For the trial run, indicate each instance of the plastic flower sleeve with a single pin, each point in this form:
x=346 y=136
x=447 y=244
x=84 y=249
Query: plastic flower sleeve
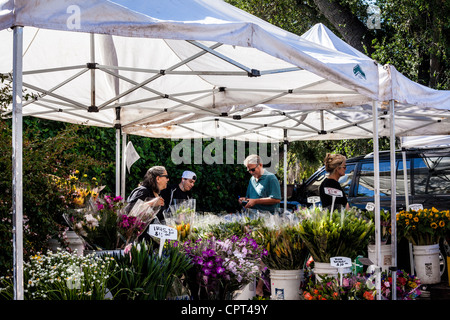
x=133 y=224
x=180 y=216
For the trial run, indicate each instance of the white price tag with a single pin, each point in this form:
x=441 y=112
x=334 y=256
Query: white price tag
x=333 y=192
x=415 y=207
x=340 y=262
x=313 y=199
x=162 y=231
x=370 y=206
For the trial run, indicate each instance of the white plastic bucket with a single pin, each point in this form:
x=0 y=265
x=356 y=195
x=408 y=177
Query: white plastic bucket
x=386 y=255
x=247 y=292
x=75 y=242
x=285 y=284
x=325 y=269
x=427 y=264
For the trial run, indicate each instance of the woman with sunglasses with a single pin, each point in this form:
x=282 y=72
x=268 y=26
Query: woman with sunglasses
x=335 y=165
x=154 y=181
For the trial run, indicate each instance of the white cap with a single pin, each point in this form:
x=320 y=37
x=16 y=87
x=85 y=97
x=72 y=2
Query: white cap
x=189 y=175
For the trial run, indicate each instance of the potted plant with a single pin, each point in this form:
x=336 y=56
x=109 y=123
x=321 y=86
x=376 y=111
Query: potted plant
x=286 y=257
x=424 y=228
x=330 y=234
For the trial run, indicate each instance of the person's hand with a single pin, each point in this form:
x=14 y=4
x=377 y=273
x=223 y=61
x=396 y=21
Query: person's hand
x=250 y=203
x=241 y=199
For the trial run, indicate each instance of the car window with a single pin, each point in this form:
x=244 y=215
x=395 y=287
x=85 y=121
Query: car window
x=346 y=181
x=313 y=188
x=432 y=175
x=366 y=180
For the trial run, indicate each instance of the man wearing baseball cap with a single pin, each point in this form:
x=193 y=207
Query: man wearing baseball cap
x=179 y=191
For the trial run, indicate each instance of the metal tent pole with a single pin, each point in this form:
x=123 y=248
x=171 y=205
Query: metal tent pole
x=393 y=200
x=17 y=164
x=124 y=164
x=118 y=162
x=285 y=143
x=376 y=164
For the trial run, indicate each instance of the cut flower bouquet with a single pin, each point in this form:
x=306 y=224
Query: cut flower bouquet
x=423 y=227
x=222 y=266
x=339 y=233
x=104 y=224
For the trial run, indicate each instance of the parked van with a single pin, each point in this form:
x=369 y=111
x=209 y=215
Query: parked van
x=428 y=174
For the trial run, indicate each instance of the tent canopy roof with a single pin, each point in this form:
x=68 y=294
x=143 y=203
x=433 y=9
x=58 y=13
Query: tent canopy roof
x=159 y=67
x=161 y=60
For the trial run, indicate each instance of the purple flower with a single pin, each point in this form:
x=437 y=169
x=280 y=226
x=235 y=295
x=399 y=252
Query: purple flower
x=220 y=270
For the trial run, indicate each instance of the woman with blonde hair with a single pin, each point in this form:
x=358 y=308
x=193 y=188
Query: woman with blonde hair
x=335 y=165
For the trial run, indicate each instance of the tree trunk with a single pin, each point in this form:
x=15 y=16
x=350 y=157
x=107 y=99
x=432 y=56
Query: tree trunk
x=354 y=32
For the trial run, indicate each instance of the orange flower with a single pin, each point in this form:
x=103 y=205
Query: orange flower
x=307 y=296
x=368 y=295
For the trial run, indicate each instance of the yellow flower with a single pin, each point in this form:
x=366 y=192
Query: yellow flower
x=416 y=219
x=441 y=223
x=434 y=225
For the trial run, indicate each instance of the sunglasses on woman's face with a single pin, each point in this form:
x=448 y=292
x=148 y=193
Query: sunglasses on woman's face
x=252 y=169
x=165 y=176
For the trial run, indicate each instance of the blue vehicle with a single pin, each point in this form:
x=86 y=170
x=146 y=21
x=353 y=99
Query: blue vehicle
x=428 y=174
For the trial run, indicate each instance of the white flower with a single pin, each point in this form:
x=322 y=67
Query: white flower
x=91 y=221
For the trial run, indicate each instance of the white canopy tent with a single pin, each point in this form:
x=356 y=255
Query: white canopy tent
x=141 y=65
x=123 y=63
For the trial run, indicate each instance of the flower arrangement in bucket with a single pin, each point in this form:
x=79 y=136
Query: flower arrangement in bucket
x=105 y=225
x=285 y=248
x=424 y=226
x=96 y=223
x=340 y=233
x=222 y=266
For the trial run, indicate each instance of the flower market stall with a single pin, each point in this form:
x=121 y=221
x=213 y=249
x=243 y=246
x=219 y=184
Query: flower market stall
x=212 y=60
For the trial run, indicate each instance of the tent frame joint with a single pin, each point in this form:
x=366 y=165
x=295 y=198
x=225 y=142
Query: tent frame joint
x=92 y=65
x=93 y=109
x=254 y=73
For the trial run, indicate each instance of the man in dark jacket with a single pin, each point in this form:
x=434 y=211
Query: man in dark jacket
x=180 y=191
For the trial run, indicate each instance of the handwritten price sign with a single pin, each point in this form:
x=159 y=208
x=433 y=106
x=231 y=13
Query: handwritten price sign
x=333 y=192
x=162 y=232
x=340 y=262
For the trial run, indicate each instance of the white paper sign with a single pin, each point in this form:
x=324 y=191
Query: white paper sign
x=131 y=155
x=415 y=207
x=333 y=192
x=162 y=231
x=370 y=206
x=313 y=199
x=340 y=262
